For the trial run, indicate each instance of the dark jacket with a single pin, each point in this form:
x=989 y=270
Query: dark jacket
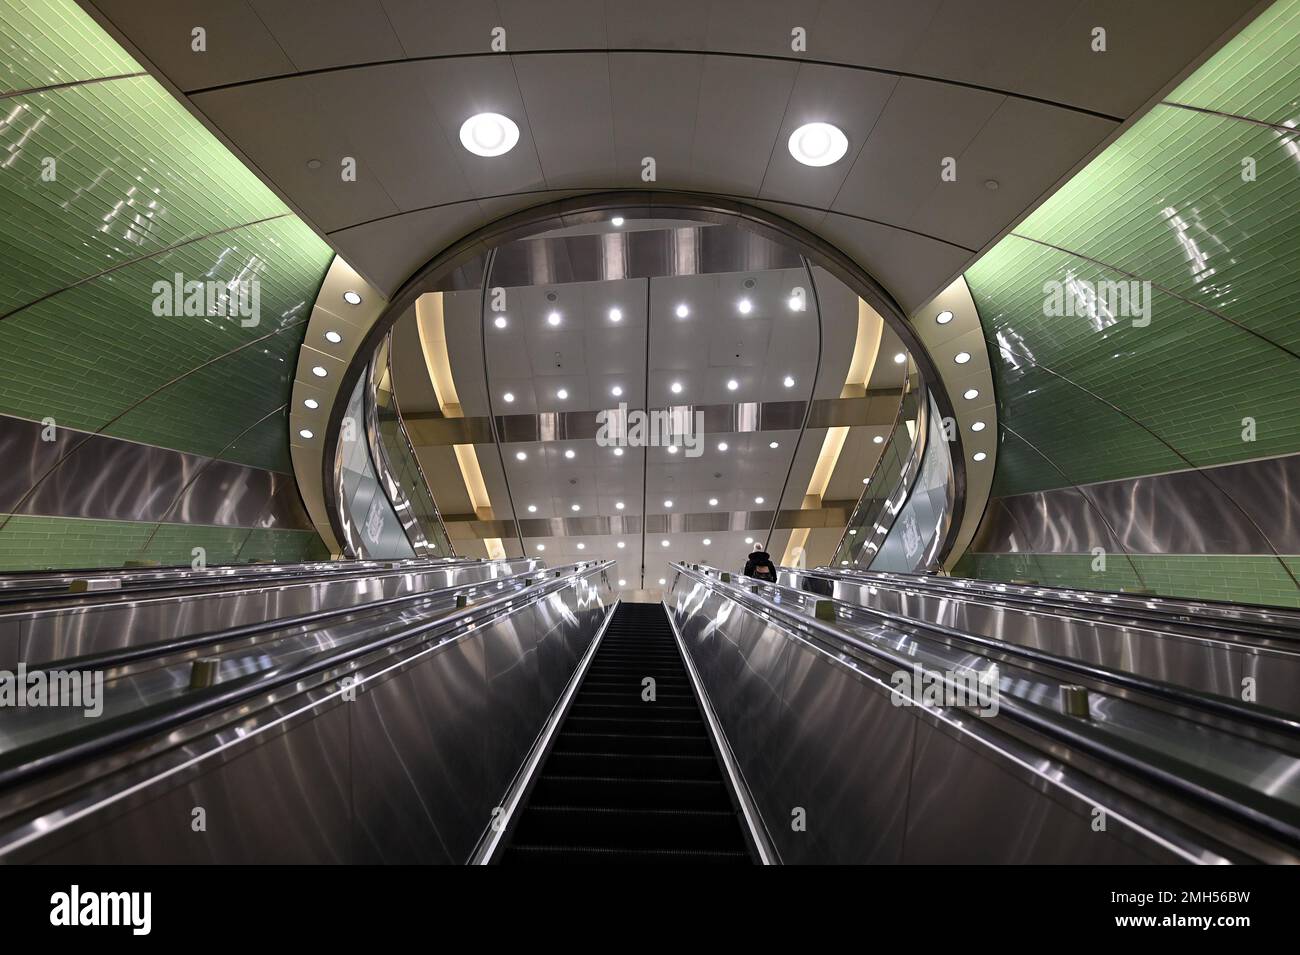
x=760 y=566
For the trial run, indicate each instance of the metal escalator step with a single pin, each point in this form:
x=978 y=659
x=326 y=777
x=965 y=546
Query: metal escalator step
x=633 y=793
x=622 y=828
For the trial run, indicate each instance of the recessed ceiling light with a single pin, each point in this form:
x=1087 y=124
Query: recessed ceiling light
x=977 y=426
x=980 y=455
x=758 y=500
x=961 y=357
x=663 y=543
x=569 y=454
x=971 y=394
x=796 y=303
x=622 y=583
x=532 y=508
x=745 y=306
x=311 y=403
x=672 y=449
x=618 y=452
x=900 y=358
x=668 y=503
x=818 y=144
x=351 y=297
x=682 y=311
x=788 y=381
x=622 y=544
x=732 y=384
x=619 y=505
x=749 y=540
x=489 y=134
x=616 y=315
x=662 y=582
x=707 y=542
x=306 y=434
x=581 y=546
x=943 y=318
x=333 y=337
x=852 y=532
x=553 y=319
x=575 y=507
x=521 y=456
x=541 y=547
x=675 y=387
x=866 y=480
x=562 y=394
x=508 y=397
x=319 y=372
x=500 y=321
x=722 y=445
x=877 y=440
x=617 y=220
x=774 y=445
x=617 y=391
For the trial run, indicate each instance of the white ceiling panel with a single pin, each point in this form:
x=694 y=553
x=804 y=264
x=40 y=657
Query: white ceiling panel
x=568 y=101
x=343 y=31
x=737 y=122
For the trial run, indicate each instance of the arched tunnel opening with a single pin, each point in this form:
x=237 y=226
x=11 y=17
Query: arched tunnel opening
x=725 y=433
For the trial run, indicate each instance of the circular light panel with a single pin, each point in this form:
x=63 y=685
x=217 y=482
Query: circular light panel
x=818 y=144
x=489 y=134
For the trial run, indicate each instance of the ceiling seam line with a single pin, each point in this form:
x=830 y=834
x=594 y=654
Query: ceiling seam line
x=645 y=450
x=1161 y=288
x=776 y=140
x=780 y=58
x=142 y=258
x=1277 y=127
x=803 y=426
x=487 y=388
x=55 y=87
x=684 y=192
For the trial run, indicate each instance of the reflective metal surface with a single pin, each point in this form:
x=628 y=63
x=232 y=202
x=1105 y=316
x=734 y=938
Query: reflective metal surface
x=411 y=769
x=1212 y=663
x=68 y=628
x=1249 y=508
x=876 y=781
x=105 y=478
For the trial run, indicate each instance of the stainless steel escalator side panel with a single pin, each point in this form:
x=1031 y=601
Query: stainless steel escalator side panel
x=410 y=770
x=283 y=799
x=871 y=777
x=969 y=808
x=418 y=741
x=1218 y=666
x=50 y=635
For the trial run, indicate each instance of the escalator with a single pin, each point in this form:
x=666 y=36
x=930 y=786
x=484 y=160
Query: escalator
x=631 y=780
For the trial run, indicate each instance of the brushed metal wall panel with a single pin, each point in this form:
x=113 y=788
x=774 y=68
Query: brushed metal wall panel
x=107 y=478
x=1233 y=509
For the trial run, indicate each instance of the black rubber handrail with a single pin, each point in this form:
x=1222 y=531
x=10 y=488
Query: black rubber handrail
x=42 y=757
x=1278 y=818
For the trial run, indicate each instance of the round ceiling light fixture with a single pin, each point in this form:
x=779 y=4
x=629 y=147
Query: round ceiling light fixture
x=311 y=403
x=489 y=134
x=818 y=144
x=352 y=298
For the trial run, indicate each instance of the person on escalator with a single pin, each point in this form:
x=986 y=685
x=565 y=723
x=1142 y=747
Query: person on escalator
x=760 y=567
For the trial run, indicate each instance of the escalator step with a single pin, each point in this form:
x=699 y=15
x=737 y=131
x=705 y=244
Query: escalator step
x=629 y=780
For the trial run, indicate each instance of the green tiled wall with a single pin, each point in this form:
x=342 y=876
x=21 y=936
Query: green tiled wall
x=1253 y=580
x=32 y=543
x=1166 y=203
x=139 y=192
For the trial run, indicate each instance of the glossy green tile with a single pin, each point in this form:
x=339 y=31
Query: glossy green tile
x=46 y=42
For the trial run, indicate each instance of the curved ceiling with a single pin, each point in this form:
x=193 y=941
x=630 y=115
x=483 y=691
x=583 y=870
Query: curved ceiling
x=711 y=91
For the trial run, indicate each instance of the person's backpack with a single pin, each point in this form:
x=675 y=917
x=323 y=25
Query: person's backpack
x=760 y=566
